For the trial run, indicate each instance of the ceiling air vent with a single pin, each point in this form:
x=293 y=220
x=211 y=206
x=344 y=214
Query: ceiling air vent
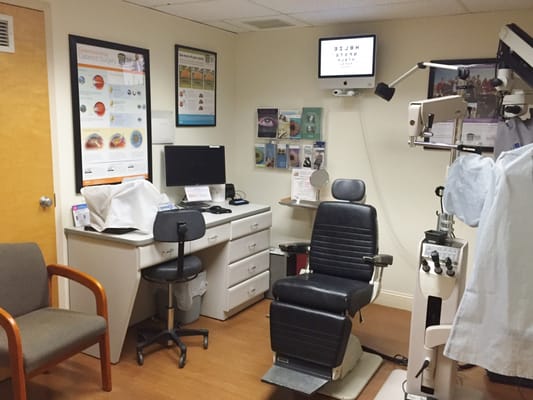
x=268 y=23
x=7 y=41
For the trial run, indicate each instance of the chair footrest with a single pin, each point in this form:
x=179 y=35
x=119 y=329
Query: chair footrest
x=294 y=380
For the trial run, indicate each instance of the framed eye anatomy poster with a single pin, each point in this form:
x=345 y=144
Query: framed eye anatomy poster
x=196 y=72
x=110 y=86
x=481 y=121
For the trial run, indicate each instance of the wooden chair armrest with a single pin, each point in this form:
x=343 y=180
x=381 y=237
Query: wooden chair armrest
x=14 y=344
x=84 y=279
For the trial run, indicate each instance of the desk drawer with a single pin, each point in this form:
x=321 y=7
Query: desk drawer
x=246 y=290
x=158 y=252
x=213 y=236
x=252 y=224
x=248 y=245
x=248 y=267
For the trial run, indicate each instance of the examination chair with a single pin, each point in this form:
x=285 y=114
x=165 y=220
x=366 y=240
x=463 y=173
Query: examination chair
x=34 y=335
x=174 y=226
x=311 y=314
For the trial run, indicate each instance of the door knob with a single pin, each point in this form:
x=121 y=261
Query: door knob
x=45 y=202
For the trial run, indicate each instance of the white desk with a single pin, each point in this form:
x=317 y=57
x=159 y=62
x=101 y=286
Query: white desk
x=234 y=252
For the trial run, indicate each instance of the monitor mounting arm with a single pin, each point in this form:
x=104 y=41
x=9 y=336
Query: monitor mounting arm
x=387 y=91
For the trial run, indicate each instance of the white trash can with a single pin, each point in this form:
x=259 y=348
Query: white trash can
x=187 y=300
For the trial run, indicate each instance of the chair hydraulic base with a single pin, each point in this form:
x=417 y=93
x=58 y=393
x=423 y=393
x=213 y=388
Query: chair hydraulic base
x=352 y=375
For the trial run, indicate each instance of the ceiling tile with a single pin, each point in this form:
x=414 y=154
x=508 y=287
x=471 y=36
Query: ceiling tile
x=419 y=8
x=217 y=10
x=496 y=5
x=232 y=15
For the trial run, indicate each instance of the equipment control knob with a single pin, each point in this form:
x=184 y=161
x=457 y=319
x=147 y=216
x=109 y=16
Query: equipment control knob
x=450 y=272
x=425 y=265
x=436 y=261
x=448 y=263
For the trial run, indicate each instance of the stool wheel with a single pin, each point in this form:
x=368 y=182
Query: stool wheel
x=181 y=362
x=140 y=357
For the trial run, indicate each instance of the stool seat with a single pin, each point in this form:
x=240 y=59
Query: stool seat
x=167 y=272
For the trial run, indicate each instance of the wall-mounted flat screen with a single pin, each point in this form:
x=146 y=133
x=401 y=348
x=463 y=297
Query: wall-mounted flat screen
x=195 y=165
x=347 y=62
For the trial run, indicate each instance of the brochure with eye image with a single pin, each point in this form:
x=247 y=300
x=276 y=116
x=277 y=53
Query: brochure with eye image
x=267 y=122
x=259 y=155
x=289 y=122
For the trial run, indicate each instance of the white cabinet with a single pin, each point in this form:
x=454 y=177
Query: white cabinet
x=245 y=276
x=234 y=252
x=248 y=270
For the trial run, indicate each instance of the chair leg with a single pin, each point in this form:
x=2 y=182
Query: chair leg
x=194 y=332
x=18 y=378
x=105 y=362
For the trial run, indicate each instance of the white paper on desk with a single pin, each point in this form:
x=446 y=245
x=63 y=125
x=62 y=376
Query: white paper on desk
x=198 y=193
x=301 y=188
x=132 y=204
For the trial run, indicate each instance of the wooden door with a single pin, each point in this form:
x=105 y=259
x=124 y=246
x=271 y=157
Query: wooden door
x=25 y=141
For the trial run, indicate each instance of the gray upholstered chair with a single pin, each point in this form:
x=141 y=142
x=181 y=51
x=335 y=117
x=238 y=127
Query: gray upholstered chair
x=35 y=336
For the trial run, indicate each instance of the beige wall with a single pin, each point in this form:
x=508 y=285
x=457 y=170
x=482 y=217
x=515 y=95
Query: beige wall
x=366 y=136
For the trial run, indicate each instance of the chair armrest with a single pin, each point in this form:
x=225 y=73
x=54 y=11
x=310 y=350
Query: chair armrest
x=379 y=260
x=14 y=344
x=296 y=247
x=84 y=279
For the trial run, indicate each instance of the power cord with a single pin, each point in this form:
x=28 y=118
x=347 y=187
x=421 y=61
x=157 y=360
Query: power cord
x=396 y=359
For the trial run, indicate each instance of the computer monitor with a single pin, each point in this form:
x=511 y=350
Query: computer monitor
x=195 y=165
x=347 y=62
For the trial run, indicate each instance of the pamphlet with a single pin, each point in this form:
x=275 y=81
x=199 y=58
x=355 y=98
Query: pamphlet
x=267 y=122
x=281 y=155
x=81 y=215
x=301 y=188
x=294 y=156
x=270 y=155
x=319 y=155
x=312 y=123
x=259 y=154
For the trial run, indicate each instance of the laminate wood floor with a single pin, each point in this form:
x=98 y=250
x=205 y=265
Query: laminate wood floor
x=231 y=368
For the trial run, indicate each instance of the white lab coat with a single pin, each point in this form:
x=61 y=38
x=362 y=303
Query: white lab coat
x=493 y=327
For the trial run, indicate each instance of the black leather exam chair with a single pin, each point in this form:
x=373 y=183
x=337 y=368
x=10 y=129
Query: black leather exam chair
x=311 y=314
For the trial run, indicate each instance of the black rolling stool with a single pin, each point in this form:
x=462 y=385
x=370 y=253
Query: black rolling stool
x=174 y=226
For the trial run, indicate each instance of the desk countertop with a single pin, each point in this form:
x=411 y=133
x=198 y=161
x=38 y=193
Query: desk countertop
x=137 y=238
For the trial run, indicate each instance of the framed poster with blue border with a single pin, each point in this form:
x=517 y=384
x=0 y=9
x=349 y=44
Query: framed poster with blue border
x=196 y=72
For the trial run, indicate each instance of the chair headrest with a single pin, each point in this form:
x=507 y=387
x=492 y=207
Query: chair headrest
x=348 y=189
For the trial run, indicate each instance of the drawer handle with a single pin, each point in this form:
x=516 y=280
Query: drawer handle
x=252 y=291
x=254 y=227
x=252 y=246
x=167 y=252
x=252 y=268
x=212 y=238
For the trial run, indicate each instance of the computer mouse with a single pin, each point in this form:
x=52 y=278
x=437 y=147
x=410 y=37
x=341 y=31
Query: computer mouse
x=218 y=210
